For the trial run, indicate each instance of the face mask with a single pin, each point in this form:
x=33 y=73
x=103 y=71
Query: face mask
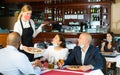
x=109 y=40
x=82 y=45
x=55 y=45
x=27 y=17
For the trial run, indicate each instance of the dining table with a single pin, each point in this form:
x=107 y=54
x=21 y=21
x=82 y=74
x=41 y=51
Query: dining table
x=113 y=57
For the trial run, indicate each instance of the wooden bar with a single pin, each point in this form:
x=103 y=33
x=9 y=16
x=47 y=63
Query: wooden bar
x=48 y=36
x=3 y=38
x=13 y=1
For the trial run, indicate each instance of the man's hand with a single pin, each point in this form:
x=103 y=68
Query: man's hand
x=37 y=63
x=86 y=67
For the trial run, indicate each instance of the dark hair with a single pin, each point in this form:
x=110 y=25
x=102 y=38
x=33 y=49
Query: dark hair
x=112 y=34
x=62 y=39
x=113 y=40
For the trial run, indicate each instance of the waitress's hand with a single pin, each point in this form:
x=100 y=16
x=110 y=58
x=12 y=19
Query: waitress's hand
x=46 y=22
x=25 y=48
x=28 y=49
x=43 y=24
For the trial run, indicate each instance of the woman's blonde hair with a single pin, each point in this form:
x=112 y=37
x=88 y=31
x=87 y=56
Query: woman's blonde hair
x=25 y=8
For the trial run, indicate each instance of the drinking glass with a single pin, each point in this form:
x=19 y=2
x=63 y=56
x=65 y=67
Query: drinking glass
x=60 y=63
x=51 y=62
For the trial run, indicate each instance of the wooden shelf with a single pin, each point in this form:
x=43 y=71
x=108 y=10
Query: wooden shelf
x=16 y=1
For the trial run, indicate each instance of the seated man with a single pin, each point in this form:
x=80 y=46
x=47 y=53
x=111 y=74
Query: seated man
x=13 y=62
x=85 y=54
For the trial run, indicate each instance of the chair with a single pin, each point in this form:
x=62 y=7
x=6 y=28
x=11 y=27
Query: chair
x=104 y=69
x=1 y=73
x=42 y=45
x=118 y=43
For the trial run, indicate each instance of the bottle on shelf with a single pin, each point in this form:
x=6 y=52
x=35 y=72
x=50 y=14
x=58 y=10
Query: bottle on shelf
x=104 y=10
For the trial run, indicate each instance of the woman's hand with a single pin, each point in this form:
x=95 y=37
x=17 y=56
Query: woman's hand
x=102 y=46
x=45 y=23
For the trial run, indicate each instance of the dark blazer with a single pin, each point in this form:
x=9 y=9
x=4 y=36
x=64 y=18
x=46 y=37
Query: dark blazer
x=92 y=57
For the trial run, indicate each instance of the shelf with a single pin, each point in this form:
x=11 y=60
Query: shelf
x=76 y=4
x=91 y=13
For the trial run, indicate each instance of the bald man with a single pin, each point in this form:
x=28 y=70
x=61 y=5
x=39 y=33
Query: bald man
x=85 y=55
x=14 y=39
x=13 y=62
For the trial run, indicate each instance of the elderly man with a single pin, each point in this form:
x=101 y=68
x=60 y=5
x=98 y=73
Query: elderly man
x=13 y=62
x=85 y=55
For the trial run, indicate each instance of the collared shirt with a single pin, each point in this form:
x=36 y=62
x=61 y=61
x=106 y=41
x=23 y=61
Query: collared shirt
x=13 y=62
x=56 y=54
x=83 y=55
x=18 y=28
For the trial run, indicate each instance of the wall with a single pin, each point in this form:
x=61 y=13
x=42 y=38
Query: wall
x=7 y=22
x=115 y=17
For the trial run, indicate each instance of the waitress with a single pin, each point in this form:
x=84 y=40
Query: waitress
x=26 y=28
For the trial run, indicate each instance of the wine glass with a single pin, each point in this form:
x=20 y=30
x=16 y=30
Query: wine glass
x=44 y=63
x=51 y=62
x=51 y=59
x=60 y=63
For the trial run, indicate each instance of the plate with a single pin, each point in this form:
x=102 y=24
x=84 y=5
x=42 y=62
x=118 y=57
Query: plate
x=33 y=50
x=73 y=67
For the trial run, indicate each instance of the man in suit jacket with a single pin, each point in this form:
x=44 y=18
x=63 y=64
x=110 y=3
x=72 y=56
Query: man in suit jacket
x=84 y=54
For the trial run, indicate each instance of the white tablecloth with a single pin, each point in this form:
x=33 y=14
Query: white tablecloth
x=114 y=59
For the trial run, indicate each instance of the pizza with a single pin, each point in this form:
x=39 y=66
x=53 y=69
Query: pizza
x=33 y=50
x=73 y=67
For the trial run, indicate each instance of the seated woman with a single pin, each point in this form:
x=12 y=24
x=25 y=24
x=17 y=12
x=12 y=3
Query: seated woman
x=109 y=45
x=57 y=50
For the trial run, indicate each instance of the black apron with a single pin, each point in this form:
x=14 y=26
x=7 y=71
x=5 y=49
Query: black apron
x=27 y=39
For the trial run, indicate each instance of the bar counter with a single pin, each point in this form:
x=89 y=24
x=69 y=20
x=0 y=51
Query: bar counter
x=48 y=36
x=3 y=38
x=69 y=36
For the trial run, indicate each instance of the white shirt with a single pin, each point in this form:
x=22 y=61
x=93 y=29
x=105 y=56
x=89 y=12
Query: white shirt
x=13 y=62
x=18 y=28
x=83 y=55
x=57 y=54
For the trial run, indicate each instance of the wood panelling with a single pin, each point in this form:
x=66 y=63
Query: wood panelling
x=3 y=38
x=115 y=17
x=12 y=1
x=48 y=36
